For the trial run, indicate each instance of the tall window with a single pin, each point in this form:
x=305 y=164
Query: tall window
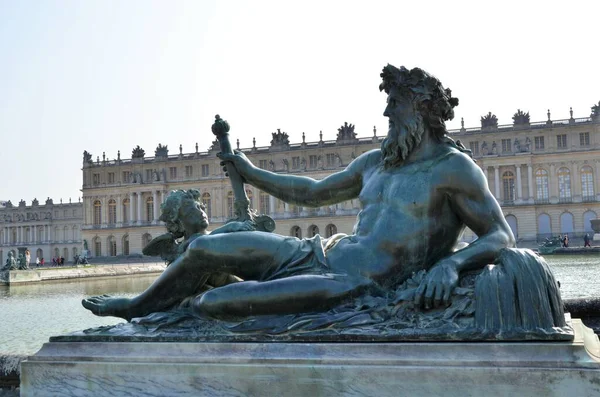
x=330 y=159
x=97 y=247
x=112 y=246
x=96 y=179
x=474 y=146
x=65 y=233
x=148 y=175
x=313 y=161
x=330 y=230
x=295 y=231
x=230 y=205
x=111 y=177
x=295 y=163
x=508 y=184
x=313 y=230
x=150 y=209
x=172 y=173
x=587 y=183
x=506 y=148
x=584 y=139
x=146 y=238
x=264 y=164
x=208 y=204
x=561 y=141
x=541 y=182
x=126 y=176
x=564 y=184
x=97 y=212
x=126 y=244
x=205 y=169
x=539 y=142
x=112 y=212
x=74 y=232
x=265 y=207
x=188 y=171
x=126 y=213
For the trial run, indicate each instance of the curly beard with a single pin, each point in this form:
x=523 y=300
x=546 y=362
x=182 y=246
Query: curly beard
x=401 y=140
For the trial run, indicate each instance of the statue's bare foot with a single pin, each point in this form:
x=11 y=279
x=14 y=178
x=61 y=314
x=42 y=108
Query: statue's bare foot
x=106 y=305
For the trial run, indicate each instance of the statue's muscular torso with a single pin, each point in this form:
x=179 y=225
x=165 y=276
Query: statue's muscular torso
x=406 y=223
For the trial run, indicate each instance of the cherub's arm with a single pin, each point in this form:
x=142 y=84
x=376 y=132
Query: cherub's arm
x=234 y=226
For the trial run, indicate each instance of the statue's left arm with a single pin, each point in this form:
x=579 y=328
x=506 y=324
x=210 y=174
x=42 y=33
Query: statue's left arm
x=471 y=200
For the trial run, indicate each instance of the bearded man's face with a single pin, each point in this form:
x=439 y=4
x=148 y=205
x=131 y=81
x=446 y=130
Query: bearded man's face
x=406 y=128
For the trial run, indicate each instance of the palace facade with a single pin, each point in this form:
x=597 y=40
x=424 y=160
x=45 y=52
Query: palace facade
x=544 y=174
x=47 y=230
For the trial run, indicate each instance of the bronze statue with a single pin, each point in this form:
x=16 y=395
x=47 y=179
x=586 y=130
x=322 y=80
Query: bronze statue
x=418 y=193
x=11 y=262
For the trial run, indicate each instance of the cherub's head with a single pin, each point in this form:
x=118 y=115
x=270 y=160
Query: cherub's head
x=182 y=211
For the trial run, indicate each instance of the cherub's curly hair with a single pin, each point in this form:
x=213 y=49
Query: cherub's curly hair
x=433 y=101
x=170 y=209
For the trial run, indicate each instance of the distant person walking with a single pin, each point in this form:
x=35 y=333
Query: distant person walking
x=586 y=240
x=37 y=262
x=566 y=241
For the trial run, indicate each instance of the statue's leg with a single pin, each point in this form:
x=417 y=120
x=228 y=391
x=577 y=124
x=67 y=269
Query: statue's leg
x=245 y=254
x=296 y=294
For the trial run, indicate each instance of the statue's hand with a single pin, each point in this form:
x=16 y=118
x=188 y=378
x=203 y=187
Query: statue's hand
x=235 y=226
x=438 y=284
x=239 y=160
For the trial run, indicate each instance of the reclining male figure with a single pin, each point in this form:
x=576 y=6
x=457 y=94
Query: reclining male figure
x=418 y=193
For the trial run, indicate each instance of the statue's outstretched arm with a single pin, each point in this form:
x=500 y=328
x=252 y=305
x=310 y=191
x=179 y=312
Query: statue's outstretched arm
x=302 y=190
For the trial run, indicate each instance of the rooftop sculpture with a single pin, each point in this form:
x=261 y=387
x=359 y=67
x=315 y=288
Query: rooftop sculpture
x=400 y=275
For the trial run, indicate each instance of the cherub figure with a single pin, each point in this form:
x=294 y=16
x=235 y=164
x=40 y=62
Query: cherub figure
x=185 y=219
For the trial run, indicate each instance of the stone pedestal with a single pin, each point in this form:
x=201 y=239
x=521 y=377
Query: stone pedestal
x=316 y=369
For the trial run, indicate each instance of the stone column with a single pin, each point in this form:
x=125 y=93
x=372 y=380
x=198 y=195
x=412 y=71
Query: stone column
x=156 y=207
x=119 y=210
x=530 y=182
x=32 y=234
x=272 y=209
x=553 y=185
x=286 y=209
x=139 y=207
x=519 y=187
x=131 y=208
x=575 y=181
x=485 y=172
x=497 y=181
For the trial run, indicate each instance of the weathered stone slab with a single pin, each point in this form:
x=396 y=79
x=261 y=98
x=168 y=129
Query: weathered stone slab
x=316 y=369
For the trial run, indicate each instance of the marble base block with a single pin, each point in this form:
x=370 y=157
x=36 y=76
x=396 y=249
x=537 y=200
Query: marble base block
x=316 y=369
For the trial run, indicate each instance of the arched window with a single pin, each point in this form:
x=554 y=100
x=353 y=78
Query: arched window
x=566 y=222
x=149 y=209
x=74 y=231
x=126 y=211
x=544 y=226
x=230 y=204
x=265 y=206
x=97 y=212
x=146 y=238
x=541 y=182
x=13 y=236
x=207 y=204
x=587 y=184
x=564 y=184
x=39 y=253
x=126 y=244
x=295 y=231
x=97 y=246
x=56 y=252
x=512 y=222
x=587 y=217
x=74 y=250
x=111 y=242
x=27 y=234
x=65 y=233
x=313 y=230
x=57 y=234
x=40 y=230
x=250 y=197
x=66 y=254
x=508 y=184
x=112 y=212
x=330 y=230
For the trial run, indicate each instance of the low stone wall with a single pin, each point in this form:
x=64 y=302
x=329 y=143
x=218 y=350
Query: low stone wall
x=67 y=273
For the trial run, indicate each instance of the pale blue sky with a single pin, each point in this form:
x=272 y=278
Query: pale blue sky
x=109 y=75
